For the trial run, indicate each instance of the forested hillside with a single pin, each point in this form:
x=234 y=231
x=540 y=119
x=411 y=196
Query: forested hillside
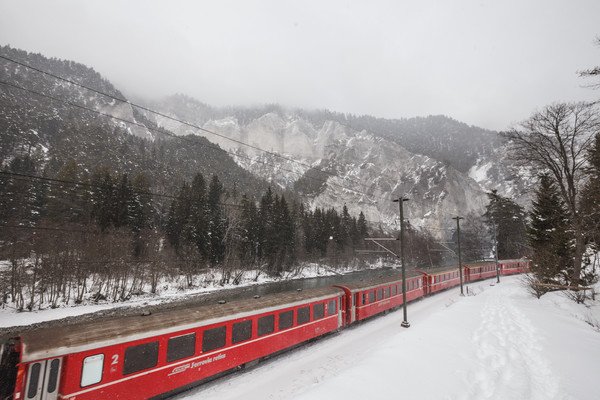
x=96 y=200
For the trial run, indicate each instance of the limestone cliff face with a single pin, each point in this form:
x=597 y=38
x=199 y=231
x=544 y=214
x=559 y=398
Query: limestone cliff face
x=361 y=168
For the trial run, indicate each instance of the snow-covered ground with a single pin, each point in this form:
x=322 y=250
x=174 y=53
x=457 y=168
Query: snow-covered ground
x=500 y=343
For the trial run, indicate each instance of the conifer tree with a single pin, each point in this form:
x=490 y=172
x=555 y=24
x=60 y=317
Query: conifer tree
x=65 y=202
x=509 y=219
x=248 y=232
x=141 y=204
x=284 y=231
x=548 y=234
x=196 y=227
x=363 y=229
x=590 y=195
x=266 y=231
x=101 y=197
x=179 y=213
x=217 y=224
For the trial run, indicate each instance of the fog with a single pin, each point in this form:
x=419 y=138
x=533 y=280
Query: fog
x=488 y=64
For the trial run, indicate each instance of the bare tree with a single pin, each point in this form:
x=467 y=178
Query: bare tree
x=554 y=141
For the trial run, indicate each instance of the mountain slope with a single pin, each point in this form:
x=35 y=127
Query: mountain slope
x=444 y=167
x=53 y=121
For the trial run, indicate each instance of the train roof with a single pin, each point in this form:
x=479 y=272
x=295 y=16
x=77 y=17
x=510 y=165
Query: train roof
x=60 y=340
x=440 y=270
x=479 y=264
x=454 y=267
x=367 y=284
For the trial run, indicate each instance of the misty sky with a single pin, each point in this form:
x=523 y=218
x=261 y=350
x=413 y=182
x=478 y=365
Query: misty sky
x=486 y=63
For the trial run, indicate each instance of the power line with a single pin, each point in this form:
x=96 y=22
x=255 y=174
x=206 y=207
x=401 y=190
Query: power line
x=176 y=120
x=57 y=182
x=208 y=144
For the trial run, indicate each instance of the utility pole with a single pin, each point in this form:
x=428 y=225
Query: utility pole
x=496 y=252
x=457 y=218
x=400 y=202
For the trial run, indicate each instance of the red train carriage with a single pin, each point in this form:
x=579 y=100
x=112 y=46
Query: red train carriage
x=438 y=279
x=479 y=270
x=373 y=296
x=141 y=357
x=509 y=267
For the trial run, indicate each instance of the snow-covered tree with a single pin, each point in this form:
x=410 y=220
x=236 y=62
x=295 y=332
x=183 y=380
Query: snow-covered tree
x=549 y=236
x=555 y=141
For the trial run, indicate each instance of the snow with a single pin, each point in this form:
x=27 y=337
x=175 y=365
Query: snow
x=498 y=343
x=479 y=172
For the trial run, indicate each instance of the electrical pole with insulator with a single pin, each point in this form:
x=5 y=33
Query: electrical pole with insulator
x=457 y=218
x=400 y=202
x=496 y=252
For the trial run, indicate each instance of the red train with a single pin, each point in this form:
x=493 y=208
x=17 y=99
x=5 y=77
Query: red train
x=155 y=356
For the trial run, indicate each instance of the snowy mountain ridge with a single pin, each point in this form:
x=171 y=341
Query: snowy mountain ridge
x=361 y=168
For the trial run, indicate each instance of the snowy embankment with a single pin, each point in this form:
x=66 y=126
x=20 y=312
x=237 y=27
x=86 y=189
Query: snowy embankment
x=500 y=343
x=170 y=290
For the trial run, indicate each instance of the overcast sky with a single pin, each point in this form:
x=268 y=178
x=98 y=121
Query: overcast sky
x=486 y=63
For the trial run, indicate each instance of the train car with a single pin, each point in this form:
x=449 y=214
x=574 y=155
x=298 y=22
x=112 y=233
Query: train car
x=509 y=267
x=479 y=270
x=438 y=279
x=153 y=356
x=370 y=297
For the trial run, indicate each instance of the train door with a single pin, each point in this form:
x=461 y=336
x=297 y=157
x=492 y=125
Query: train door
x=9 y=358
x=342 y=311
x=355 y=299
x=43 y=379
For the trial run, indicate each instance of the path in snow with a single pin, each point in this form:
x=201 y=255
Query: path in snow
x=507 y=345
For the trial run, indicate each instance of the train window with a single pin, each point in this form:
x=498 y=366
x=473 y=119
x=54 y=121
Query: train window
x=303 y=315
x=213 y=339
x=394 y=290
x=379 y=294
x=180 y=347
x=91 y=371
x=140 y=357
x=241 y=331
x=318 y=311
x=331 y=308
x=34 y=377
x=387 y=292
x=266 y=325
x=53 y=376
x=286 y=319
x=364 y=298
x=371 y=296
